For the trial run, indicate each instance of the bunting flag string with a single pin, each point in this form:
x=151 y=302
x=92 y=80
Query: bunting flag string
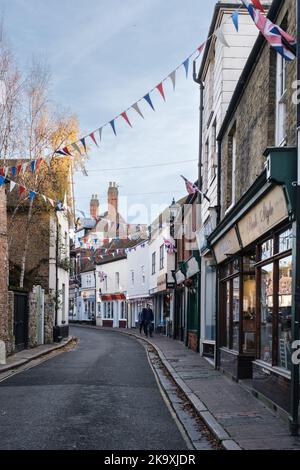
x=31 y=194
x=273 y=33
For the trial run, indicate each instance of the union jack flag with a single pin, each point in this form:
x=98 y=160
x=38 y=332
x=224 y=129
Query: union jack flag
x=193 y=188
x=170 y=247
x=273 y=33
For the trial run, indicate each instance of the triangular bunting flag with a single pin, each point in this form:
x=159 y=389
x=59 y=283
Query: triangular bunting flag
x=2 y=180
x=13 y=171
x=24 y=168
x=51 y=201
x=220 y=35
x=19 y=168
x=21 y=190
x=258 y=5
x=112 y=123
x=173 y=78
x=235 y=19
x=32 y=195
x=124 y=116
x=186 y=64
x=148 y=99
x=200 y=48
x=135 y=106
x=1 y=171
x=44 y=197
x=12 y=185
x=161 y=90
x=77 y=148
x=66 y=150
x=61 y=152
x=84 y=144
x=92 y=136
x=32 y=165
x=100 y=133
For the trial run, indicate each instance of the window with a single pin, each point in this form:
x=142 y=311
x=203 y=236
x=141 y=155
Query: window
x=161 y=257
x=213 y=154
x=231 y=169
x=132 y=278
x=108 y=310
x=153 y=263
x=63 y=295
x=205 y=166
x=275 y=274
x=117 y=281
x=281 y=96
x=266 y=312
x=122 y=311
x=143 y=275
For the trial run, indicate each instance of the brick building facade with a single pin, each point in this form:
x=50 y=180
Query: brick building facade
x=254 y=241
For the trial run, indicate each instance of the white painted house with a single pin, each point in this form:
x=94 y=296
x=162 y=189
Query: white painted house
x=111 y=288
x=161 y=268
x=220 y=70
x=138 y=281
x=59 y=269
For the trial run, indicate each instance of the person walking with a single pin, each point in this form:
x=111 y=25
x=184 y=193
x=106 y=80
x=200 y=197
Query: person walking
x=148 y=318
x=141 y=322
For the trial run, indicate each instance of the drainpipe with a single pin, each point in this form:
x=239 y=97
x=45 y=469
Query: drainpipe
x=197 y=80
x=295 y=384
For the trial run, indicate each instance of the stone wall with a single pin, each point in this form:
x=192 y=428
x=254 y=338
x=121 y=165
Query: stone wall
x=254 y=120
x=4 y=328
x=49 y=319
x=32 y=321
x=37 y=261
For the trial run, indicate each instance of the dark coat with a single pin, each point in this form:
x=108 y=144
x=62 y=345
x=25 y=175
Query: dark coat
x=147 y=315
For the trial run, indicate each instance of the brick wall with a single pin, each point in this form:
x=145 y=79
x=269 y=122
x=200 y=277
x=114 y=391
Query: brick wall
x=37 y=262
x=255 y=117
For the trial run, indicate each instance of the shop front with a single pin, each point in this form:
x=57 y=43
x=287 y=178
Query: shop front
x=179 y=306
x=254 y=258
x=114 y=311
x=188 y=301
x=162 y=300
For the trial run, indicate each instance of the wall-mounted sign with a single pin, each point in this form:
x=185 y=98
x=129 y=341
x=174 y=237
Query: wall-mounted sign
x=162 y=283
x=228 y=245
x=268 y=213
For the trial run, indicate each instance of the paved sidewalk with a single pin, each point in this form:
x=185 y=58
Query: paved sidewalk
x=24 y=357
x=233 y=414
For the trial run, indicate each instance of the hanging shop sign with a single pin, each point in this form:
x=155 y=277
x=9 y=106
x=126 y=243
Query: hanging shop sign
x=268 y=213
x=228 y=245
x=180 y=277
x=192 y=267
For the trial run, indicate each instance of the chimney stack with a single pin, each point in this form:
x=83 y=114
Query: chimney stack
x=113 y=202
x=94 y=207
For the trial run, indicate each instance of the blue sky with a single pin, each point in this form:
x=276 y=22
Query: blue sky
x=104 y=55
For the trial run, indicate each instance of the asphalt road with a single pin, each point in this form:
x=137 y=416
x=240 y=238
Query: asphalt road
x=100 y=396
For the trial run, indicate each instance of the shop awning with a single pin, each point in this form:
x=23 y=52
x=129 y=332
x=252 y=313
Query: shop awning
x=111 y=297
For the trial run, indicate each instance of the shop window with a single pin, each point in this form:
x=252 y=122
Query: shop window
x=266 y=312
x=267 y=249
x=249 y=263
x=285 y=241
x=228 y=315
x=249 y=323
x=285 y=313
x=210 y=310
x=236 y=314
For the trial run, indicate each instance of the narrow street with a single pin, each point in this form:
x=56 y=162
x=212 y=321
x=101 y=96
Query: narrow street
x=101 y=395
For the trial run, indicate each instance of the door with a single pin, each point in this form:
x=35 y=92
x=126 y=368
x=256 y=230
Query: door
x=20 y=320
